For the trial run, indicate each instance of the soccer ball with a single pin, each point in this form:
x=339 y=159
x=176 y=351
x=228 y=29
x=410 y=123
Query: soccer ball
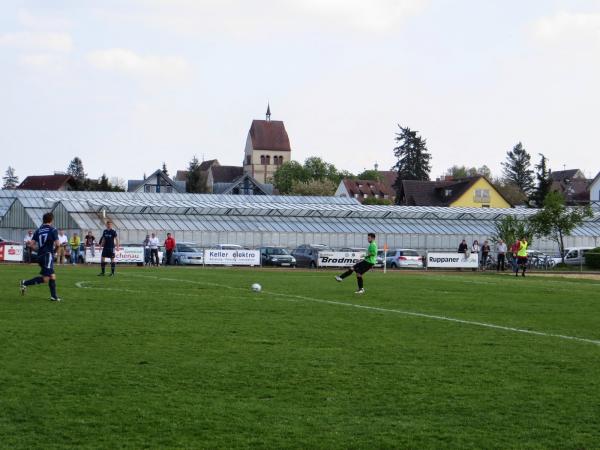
x=256 y=287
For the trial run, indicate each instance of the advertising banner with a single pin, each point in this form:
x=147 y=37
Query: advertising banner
x=339 y=259
x=232 y=257
x=123 y=255
x=453 y=260
x=10 y=252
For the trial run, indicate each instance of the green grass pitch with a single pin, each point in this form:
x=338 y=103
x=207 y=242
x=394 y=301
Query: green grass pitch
x=192 y=358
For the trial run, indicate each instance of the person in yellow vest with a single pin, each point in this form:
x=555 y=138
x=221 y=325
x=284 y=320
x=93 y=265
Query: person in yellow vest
x=74 y=243
x=522 y=256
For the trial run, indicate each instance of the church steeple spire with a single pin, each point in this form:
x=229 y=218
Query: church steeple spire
x=268 y=112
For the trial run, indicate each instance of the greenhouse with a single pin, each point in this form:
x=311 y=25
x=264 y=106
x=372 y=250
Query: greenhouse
x=252 y=221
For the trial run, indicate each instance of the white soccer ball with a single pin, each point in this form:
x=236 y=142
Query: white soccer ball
x=256 y=287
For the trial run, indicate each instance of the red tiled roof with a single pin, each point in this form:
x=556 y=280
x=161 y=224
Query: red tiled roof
x=368 y=187
x=226 y=174
x=45 y=182
x=269 y=135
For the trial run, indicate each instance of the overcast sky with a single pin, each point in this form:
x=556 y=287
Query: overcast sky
x=128 y=84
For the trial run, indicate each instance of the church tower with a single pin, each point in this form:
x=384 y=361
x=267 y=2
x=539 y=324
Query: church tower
x=267 y=148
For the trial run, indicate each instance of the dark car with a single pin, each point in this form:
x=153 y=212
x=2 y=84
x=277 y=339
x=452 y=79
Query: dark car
x=276 y=256
x=307 y=255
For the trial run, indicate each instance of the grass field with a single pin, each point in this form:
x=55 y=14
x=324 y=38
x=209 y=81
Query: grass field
x=192 y=358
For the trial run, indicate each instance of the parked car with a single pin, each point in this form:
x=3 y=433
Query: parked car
x=276 y=256
x=404 y=257
x=188 y=253
x=574 y=256
x=307 y=254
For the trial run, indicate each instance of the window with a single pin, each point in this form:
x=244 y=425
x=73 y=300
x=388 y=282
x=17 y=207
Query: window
x=268 y=160
x=482 y=196
x=447 y=192
x=262 y=159
x=147 y=188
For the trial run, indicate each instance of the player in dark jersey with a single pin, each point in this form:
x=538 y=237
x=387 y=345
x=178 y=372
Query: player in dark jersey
x=109 y=244
x=46 y=239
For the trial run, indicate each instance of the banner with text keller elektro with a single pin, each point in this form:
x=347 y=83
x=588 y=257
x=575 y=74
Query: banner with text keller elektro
x=453 y=260
x=232 y=257
x=123 y=255
x=339 y=259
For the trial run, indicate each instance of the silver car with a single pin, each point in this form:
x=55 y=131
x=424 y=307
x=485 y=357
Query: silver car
x=188 y=253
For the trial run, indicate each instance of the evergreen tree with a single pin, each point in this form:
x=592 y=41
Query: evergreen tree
x=10 y=179
x=195 y=181
x=75 y=169
x=544 y=181
x=517 y=169
x=413 y=157
x=164 y=169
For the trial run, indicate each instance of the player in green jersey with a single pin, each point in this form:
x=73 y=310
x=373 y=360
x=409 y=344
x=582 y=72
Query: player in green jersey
x=363 y=266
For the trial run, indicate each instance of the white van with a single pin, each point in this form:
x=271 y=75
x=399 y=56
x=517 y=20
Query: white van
x=575 y=256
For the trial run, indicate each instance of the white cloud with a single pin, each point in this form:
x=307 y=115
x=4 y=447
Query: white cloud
x=128 y=62
x=567 y=27
x=38 y=41
x=43 y=22
x=241 y=17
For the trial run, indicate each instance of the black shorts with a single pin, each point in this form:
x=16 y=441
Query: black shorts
x=46 y=263
x=362 y=267
x=108 y=253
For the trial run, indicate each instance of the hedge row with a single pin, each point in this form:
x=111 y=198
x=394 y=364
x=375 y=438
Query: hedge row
x=592 y=258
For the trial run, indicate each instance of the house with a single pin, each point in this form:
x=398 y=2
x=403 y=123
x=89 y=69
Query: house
x=233 y=180
x=158 y=182
x=182 y=175
x=365 y=189
x=57 y=182
x=594 y=188
x=267 y=148
x=572 y=184
x=474 y=192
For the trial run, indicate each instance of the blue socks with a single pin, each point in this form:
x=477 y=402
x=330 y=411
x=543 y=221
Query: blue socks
x=34 y=281
x=52 y=284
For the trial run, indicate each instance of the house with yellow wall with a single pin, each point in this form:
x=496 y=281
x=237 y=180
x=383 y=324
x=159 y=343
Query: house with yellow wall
x=471 y=192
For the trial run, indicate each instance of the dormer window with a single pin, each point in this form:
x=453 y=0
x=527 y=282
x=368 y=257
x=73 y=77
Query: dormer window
x=447 y=192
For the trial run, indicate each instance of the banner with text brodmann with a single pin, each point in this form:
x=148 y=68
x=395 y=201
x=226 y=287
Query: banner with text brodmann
x=232 y=257
x=453 y=260
x=339 y=259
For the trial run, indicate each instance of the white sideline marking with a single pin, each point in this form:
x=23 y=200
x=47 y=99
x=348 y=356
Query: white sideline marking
x=387 y=310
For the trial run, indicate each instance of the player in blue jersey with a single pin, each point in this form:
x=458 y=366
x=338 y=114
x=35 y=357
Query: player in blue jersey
x=109 y=244
x=46 y=240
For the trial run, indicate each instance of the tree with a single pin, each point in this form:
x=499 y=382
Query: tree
x=413 y=158
x=314 y=187
x=103 y=184
x=370 y=174
x=517 y=169
x=555 y=221
x=458 y=172
x=75 y=169
x=10 y=179
x=164 y=169
x=510 y=229
x=544 y=182
x=196 y=182
x=317 y=169
x=287 y=174
x=376 y=201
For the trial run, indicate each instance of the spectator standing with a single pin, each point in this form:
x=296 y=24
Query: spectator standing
x=75 y=242
x=463 y=247
x=475 y=249
x=27 y=247
x=146 y=245
x=153 y=250
x=485 y=252
x=501 y=255
x=514 y=249
x=63 y=242
x=169 y=247
x=90 y=244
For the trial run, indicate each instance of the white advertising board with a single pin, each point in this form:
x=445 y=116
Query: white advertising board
x=339 y=259
x=123 y=255
x=10 y=252
x=232 y=257
x=453 y=260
